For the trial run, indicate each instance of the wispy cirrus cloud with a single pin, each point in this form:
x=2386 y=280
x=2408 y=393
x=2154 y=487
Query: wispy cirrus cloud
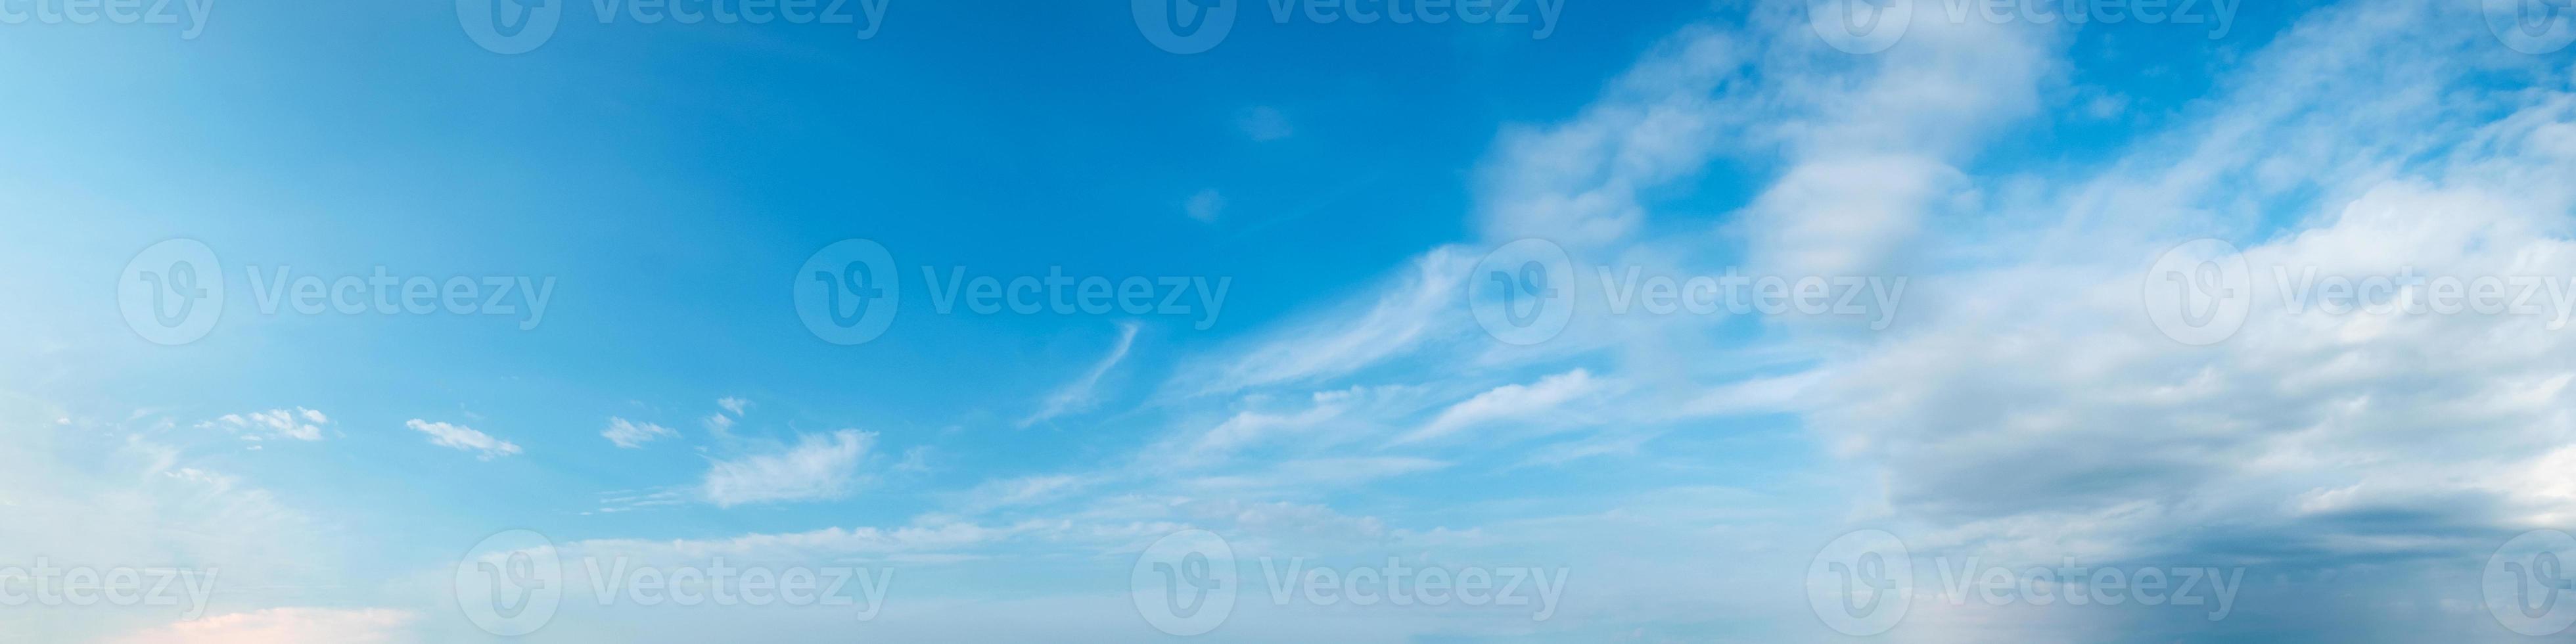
x=819 y=467
x=632 y=435
x=1081 y=394
x=463 y=438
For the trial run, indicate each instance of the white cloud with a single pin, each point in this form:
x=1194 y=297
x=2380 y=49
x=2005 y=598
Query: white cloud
x=819 y=467
x=1078 y=395
x=104 y=495
x=1509 y=403
x=296 y=424
x=733 y=405
x=630 y=435
x=463 y=438
x=1397 y=318
x=1205 y=205
x=2029 y=406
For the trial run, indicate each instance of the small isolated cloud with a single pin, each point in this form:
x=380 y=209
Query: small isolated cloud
x=1205 y=205
x=281 y=424
x=287 y=626
x=463 y=438
x=820 y=467
x=721 y=423
x=630 y=434
x=1265 y=123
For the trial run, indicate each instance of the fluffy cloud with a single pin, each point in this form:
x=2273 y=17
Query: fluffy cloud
x=819 y=467
x=282 y=424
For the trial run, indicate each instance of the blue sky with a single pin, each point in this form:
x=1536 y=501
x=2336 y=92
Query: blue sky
x=1343 y=208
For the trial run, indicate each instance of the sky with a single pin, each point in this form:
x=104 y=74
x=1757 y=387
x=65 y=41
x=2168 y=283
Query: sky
x=1287 y=321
